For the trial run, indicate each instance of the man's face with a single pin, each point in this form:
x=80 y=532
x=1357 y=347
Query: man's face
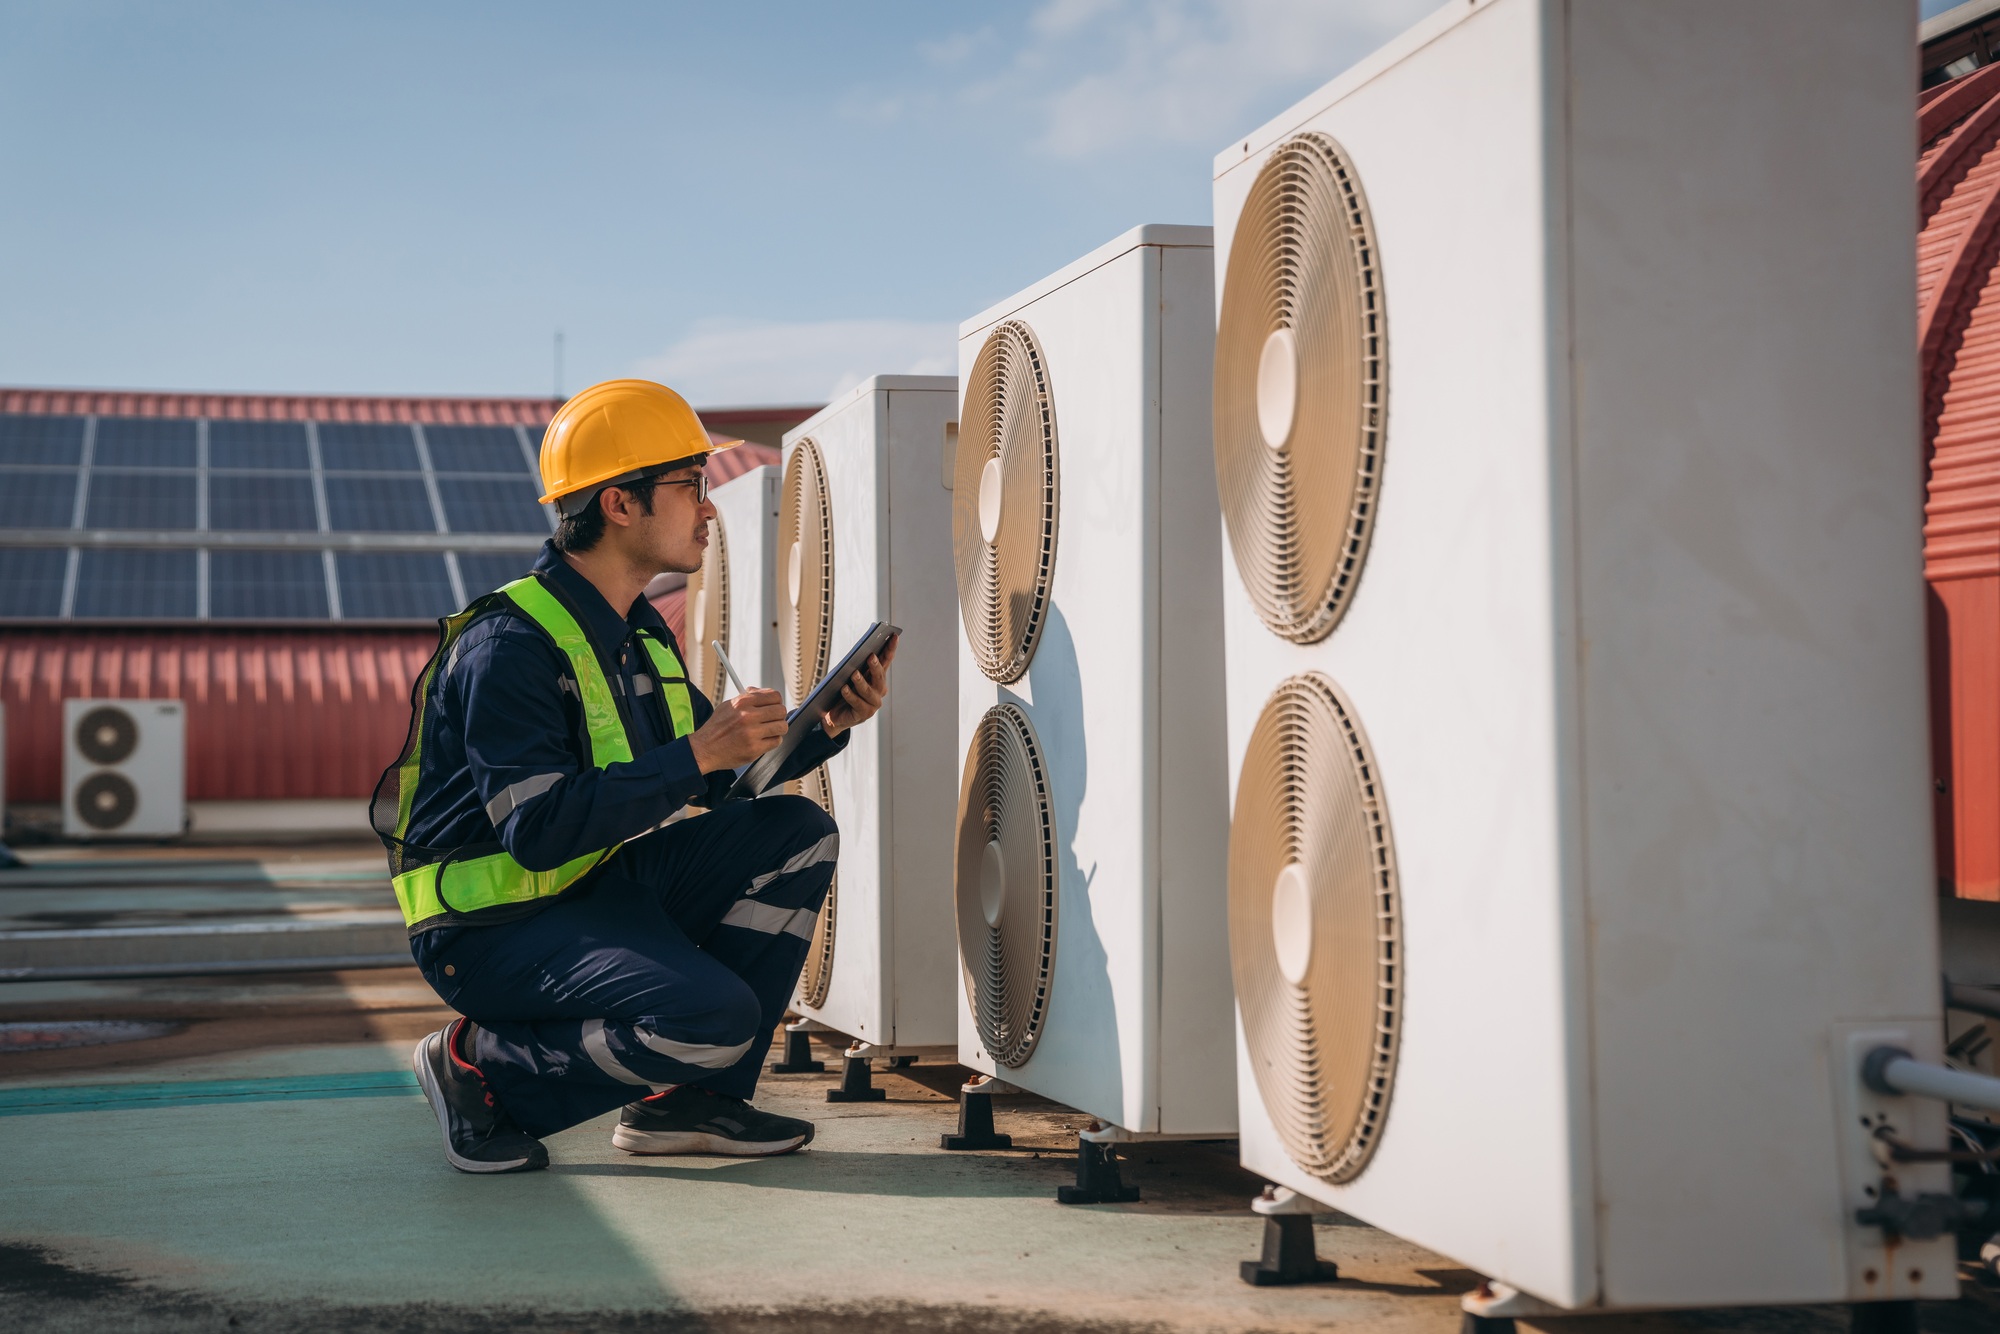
x=675 y=534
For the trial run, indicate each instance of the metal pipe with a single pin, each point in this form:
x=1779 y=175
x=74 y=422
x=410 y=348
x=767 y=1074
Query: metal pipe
x=109 y=972
x=1893 y=1070
x=1973 y=1000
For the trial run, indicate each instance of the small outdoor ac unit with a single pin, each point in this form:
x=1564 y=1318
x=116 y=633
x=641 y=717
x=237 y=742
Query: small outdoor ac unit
x=124 y=768
x=733 y=597
x=865 y=536
x=1092 y=814
x=1567 y=448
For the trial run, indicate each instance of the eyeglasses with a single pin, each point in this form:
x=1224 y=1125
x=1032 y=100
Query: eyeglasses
x=699 y=482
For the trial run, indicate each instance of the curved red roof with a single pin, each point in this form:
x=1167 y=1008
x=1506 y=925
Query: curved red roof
x=1958 y=330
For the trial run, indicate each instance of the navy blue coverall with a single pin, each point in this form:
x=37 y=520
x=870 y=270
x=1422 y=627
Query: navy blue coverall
x=674 y=962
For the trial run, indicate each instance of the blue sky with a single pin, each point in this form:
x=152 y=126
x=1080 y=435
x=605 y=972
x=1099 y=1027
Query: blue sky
x=756 y=203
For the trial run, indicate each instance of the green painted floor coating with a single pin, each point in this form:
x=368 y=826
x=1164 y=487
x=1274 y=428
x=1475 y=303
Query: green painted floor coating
x=346 y=1199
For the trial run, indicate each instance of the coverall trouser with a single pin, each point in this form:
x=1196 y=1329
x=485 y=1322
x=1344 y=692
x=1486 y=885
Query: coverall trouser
x=673 y=966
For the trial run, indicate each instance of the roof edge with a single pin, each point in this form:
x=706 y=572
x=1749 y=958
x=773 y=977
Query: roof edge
x=427 y=411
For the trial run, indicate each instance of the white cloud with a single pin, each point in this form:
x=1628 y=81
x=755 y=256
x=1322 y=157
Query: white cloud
x=1103 y=74
x=736 y=362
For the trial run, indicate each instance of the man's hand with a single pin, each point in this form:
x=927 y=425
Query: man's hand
x=739 y=730
x=863 y=694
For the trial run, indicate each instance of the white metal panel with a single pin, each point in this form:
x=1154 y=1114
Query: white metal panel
x=1094 y=688
x=1447 y=653
x=1749 y=488
x=156 y=768
x=892 y=788
x=1638 y=646
x=748 y=508
x=918 y=740
x=1196 y=1093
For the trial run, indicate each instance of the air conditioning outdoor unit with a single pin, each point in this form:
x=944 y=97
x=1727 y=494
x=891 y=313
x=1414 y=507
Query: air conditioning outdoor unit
x=1567 y=446
x=124 y=768
x=733 y=597
x=1090 y=864
x=865 y=536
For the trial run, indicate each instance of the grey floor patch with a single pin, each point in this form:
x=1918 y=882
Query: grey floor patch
x=43 y=1295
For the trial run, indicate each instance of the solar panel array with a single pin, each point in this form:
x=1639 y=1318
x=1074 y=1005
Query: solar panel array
x=161 y=518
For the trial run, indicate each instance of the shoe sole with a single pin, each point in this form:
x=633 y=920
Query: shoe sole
x=694 y=1141
x=427 y=1081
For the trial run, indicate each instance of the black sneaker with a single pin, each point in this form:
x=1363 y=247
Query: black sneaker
x=478 y=1136
x=690 y=1119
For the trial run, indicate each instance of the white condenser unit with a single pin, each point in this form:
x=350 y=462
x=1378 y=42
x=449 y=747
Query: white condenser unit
x=1089 y=864
x=124 y=768
x=1566 y=440
x=733 y=597
x=864 y=535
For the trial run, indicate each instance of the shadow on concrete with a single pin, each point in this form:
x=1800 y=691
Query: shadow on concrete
x=1443 y=1282
x=42 y=1294
x=910 y=1175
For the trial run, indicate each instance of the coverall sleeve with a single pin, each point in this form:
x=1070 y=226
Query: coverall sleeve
x=518 y=726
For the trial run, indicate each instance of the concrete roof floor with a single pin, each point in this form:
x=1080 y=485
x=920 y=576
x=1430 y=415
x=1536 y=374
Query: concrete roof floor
x=309 y=1193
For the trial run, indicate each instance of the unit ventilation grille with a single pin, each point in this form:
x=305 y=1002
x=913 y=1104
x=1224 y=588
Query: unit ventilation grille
x=706 y=613
x=1301 y=388
x=1315 y=927
x=1004 y=502
x=1005 y=885
x=818 y=974
x=805 y=570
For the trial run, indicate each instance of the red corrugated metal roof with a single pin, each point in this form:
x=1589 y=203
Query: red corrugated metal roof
x=283 y=407
x=294 y=714
x=733 y=463
x=337 y=408
x=1958 y=322
x=794 y=413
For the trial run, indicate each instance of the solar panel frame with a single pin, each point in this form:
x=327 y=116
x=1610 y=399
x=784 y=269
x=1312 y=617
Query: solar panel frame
x=365 y=504
x=37 y=497
x=145 y=442
x=483 y=571
x=266 y=585
x=34 y=438
x=258 y=444
x=475 y=449
x=261 y=502
x=393 y=585
x=136 y=583
x=181 y=476
x=492 y=505
x=140 y=500
x=31 y=582
x=368 y=447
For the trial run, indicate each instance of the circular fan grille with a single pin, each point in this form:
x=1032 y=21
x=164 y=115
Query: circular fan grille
x=1301 y=388
x=818 y=974
x=1005 y=885
x=706 y=613
x=1315 y=927
x=805 y=570
x=1003 y=509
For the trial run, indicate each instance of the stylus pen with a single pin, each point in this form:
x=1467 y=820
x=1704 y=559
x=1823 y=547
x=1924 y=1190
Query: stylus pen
x=728 y=666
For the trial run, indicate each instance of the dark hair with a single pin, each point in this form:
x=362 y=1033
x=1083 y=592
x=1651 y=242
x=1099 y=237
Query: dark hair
x=585 y=529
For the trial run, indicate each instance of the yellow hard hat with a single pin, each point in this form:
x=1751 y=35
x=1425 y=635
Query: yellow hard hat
x=617 y=431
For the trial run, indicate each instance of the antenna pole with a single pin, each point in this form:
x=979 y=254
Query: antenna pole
x=559 y=377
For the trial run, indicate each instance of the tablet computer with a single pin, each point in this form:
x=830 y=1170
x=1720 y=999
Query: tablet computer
x=753 y=778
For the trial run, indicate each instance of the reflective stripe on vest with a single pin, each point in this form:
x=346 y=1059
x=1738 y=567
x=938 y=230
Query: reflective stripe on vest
x=496 y=880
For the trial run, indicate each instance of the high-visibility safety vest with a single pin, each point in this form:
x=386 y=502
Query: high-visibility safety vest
x=481 y=882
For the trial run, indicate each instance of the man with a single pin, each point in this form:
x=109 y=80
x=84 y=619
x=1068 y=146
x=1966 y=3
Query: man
x=600 y=959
